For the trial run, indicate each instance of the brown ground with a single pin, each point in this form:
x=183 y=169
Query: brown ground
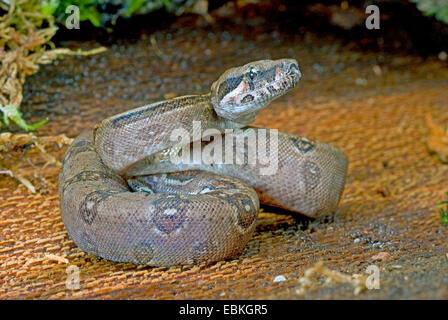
x=389 y=204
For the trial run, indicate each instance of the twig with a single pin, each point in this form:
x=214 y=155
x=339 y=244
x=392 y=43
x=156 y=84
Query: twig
x=155 y=47
x=21 y=179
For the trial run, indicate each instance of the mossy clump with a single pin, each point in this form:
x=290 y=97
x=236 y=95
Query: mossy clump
x=25 y=43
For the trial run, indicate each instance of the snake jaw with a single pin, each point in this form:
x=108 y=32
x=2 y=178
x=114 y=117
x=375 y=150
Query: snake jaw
x=247 y=89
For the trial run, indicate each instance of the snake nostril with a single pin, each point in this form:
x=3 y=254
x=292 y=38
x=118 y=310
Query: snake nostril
x=294 y=69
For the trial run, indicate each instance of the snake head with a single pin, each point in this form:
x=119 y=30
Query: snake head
x=244 y=90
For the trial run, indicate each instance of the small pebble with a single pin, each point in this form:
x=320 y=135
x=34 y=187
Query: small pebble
x=279 y=278
x=381 y=256
x=377 y=70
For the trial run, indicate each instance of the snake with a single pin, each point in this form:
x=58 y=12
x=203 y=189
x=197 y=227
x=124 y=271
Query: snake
x=136 y=189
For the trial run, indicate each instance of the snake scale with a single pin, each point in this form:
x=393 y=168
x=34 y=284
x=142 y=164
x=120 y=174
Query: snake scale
x=123 y=198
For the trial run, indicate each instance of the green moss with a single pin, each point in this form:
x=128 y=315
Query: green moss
x=436 y=8
x=13 y=113
x=101 y=12
x=88 y=9
x=444 y=211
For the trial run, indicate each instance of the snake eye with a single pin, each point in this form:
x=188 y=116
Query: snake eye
x=252 y=74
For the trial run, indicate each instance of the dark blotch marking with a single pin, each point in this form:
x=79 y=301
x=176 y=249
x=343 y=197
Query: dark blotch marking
x=219 y=183
x=302 y=144
x=79 y=147
x=88 y=208
x=150 y=182
x=247 y=98
x=169 y=222
x=228 y=86
x=135 y=113
x=138 y=186
x=246 y=213
x=243 y=204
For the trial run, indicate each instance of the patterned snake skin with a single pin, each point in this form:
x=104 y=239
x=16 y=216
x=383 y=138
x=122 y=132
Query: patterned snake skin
x=124 y=199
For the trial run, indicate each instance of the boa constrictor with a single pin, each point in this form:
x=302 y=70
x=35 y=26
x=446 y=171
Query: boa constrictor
x=122 y=197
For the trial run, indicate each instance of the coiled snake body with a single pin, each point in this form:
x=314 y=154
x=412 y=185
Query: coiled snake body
x=122 y=197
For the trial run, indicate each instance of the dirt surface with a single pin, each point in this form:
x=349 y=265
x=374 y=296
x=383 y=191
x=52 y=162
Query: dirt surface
x=372 y=105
